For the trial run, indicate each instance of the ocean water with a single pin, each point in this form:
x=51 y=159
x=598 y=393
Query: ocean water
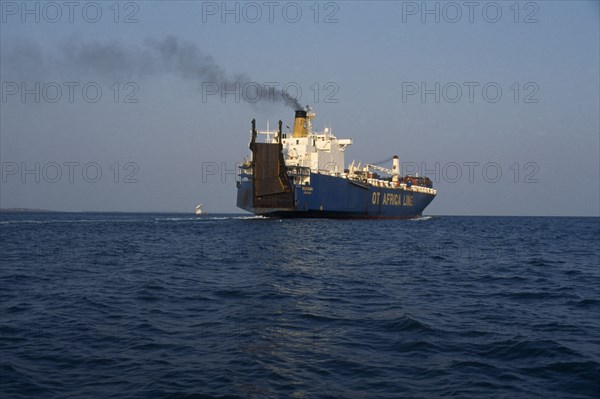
x=97 y=305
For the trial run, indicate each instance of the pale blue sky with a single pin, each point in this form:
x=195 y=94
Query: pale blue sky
x=374 y=51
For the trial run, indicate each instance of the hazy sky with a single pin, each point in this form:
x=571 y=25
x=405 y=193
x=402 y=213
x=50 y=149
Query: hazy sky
x=133 y=106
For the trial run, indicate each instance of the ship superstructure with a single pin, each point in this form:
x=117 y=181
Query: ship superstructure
x=322 y=152
x=301 y=173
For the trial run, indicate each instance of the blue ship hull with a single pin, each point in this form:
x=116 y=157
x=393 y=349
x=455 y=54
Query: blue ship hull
x=337 y=197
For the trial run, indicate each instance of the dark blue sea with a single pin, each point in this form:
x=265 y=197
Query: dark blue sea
x=99 y=305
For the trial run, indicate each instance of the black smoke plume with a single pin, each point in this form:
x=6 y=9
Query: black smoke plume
x=167 y=56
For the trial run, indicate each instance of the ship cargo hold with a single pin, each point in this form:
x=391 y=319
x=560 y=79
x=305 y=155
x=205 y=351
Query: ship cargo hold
x=301 y=174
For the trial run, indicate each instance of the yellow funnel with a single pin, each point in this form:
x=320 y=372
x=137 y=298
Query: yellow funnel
x=300 y=124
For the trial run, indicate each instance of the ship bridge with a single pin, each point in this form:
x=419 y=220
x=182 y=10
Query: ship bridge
x=321 y=152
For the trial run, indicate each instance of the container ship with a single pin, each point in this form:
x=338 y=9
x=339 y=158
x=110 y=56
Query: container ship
x=302 y=174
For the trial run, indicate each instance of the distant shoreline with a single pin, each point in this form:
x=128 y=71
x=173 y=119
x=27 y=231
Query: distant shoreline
x=25 y=210
x=34 y=210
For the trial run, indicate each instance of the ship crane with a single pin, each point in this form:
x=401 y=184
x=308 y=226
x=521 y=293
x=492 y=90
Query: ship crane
x=382 y=169
x=394 y=172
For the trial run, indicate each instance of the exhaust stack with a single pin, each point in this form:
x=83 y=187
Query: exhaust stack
x=300 y=124
x=395 y=168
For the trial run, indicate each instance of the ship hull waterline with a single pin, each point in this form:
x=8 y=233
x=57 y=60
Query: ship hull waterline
x=340 y=198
